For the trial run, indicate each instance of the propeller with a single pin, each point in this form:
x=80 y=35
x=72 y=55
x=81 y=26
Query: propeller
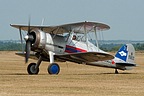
x=28 y=38
x=27 y=49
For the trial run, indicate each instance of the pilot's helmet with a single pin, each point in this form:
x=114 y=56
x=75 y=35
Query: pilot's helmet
x=74 y=37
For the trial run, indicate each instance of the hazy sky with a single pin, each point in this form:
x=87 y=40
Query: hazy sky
x=125 y=17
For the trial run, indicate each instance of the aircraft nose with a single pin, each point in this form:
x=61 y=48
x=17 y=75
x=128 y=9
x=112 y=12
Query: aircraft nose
x=29 y=37
x=26 y=37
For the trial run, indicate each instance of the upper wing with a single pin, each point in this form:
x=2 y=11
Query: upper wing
x=80 y=27
x=47 y=29
x=85 y=57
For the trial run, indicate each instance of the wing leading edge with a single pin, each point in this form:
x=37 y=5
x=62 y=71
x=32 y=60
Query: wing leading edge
x=80 y=27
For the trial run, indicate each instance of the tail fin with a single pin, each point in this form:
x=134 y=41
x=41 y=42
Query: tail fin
x=126 y=54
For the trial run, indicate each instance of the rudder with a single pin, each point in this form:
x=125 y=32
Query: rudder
x=126 y=54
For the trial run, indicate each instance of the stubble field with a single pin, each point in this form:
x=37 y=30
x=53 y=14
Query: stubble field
x=73 y=80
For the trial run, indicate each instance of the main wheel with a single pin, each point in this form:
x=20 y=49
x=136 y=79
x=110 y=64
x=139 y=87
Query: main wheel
x=53 y=68
x=31 y=69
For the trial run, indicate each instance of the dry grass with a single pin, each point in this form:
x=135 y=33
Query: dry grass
x=73 y=80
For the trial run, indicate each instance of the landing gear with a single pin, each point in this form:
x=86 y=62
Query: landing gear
x=53 y=68
x=116 y=71
x=31 y=69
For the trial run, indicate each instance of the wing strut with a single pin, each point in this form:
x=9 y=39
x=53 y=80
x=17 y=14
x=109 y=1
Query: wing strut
x=42 y=23
x=21 y=39
x=56 y=32
x=96 y=38
x=85 y=35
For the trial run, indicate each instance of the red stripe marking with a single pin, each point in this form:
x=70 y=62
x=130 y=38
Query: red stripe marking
x=74 y=48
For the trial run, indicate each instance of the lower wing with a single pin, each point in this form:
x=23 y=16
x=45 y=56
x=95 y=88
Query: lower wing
x=85 y=57
x=76 y=57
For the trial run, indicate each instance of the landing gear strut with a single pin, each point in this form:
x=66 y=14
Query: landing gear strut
x=53 y=68
x=116 y=71
x=33 y=68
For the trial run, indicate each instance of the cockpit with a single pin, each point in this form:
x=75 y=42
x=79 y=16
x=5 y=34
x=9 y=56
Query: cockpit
x=75 y=37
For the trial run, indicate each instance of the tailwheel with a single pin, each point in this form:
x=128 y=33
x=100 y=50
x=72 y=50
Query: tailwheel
x=31 y=69
x=53 y=68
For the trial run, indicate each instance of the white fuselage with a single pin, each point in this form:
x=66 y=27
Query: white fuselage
x=61 y=45
x=74 y=46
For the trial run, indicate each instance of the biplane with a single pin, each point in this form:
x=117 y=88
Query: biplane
x=69 y=42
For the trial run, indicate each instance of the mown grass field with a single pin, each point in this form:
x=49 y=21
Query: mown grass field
x=73 y=80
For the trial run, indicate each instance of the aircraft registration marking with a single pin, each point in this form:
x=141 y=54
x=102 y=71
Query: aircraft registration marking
x=122 y=53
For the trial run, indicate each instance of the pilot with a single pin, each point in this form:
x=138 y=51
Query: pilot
x=74 y=37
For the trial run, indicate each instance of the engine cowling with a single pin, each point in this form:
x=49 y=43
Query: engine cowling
x=49 y=42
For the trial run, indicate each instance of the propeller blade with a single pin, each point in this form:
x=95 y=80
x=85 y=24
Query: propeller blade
x=29 y=25
x=28 y=49
x=28 y=43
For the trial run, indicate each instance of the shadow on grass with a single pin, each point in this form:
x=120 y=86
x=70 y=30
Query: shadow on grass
x=22 y=74
x=100 y=73
x=119 y=73
x=14 y=74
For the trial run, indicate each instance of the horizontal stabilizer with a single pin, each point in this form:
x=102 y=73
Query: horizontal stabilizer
x=126 y=64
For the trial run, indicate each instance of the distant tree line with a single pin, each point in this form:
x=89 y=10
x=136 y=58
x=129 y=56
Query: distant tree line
x=10 y=46
x=115 y=47
x=16 y=46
